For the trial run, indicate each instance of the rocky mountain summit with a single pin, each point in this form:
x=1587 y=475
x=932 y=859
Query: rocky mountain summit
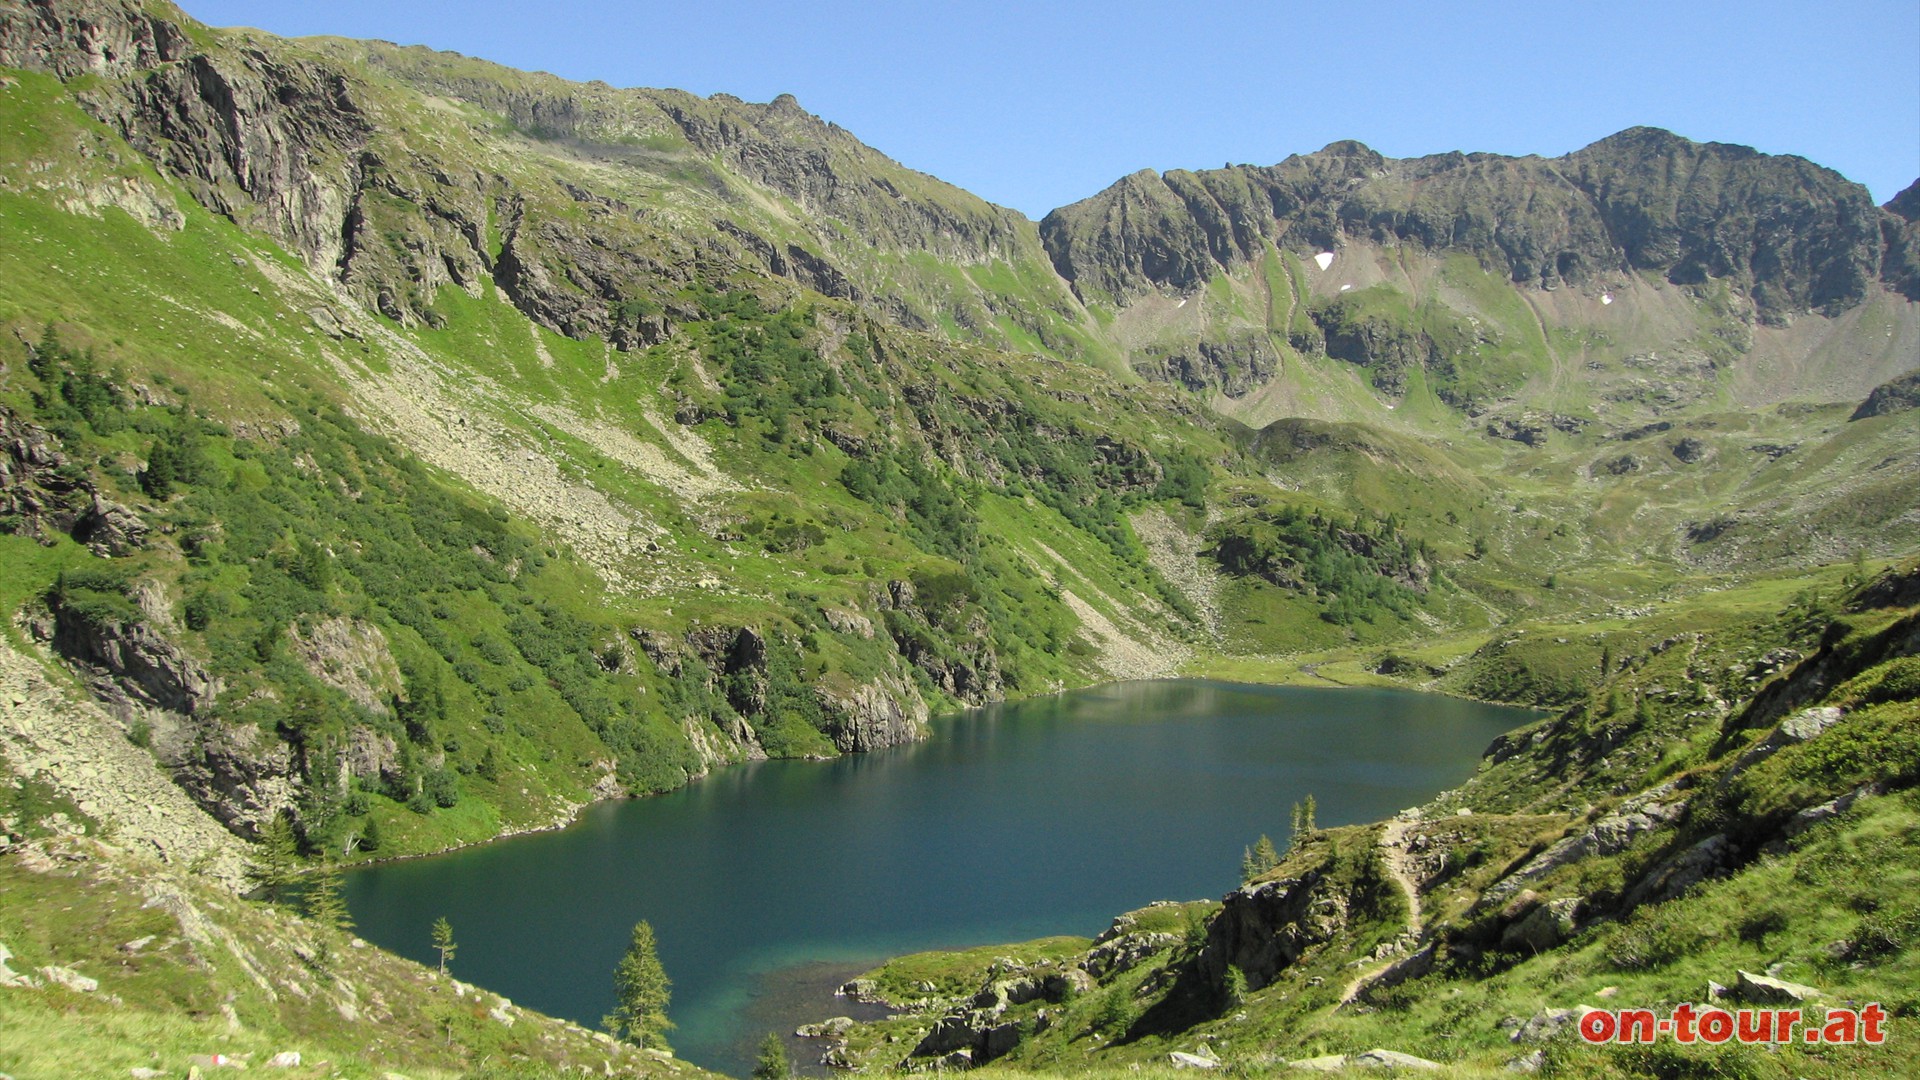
x=1789 y=234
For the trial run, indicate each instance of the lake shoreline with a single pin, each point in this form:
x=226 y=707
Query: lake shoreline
x=1016 y=821
x=571 y=815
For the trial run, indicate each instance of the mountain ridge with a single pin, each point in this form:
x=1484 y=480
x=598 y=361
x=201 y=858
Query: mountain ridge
x=419 y=450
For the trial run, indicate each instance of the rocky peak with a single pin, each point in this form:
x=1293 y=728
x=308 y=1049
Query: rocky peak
x=1790 y=235
x=110 y=38
x=1346 y=158
x=1900 y=230
x=1907 y=203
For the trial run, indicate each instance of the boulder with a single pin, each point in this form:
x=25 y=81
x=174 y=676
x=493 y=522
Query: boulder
x=1708 y=858
x=110 y=529
x=1547 y=1023
x=1819 y=812
x=69 y=978
x=1066 y=984
x=858 y=989
x=1389 y=1059
x=1610 y=835
x=826 y=1029
x=1765 y=990
x=1530 y=1062
x=1182 y=1060
x=8 y=976
x=1544 y=927
x=1125 y=952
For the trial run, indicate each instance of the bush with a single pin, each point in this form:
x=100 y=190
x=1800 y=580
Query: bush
x=1652 y=939
x=442 y=787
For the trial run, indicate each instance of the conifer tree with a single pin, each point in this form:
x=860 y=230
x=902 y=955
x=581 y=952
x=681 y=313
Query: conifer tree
x=443 y=941
x=641 y=992
x=323 y=901
x=275 y=861
x=1262 y=857
x=773 y=1063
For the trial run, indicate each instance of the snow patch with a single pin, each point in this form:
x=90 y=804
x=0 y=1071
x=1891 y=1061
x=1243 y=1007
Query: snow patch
x=1323 y=260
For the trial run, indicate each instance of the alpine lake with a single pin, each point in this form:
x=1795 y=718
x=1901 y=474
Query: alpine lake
x=768 y=884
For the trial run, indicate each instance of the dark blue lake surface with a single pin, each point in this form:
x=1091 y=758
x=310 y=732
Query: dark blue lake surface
x=768 y=883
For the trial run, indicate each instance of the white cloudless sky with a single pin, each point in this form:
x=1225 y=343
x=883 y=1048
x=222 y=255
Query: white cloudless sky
x=1034 y=105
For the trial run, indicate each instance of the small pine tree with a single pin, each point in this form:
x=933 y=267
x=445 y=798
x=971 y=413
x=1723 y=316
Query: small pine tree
x=641 y=992
x=1308 y=807
x=1606 y=660
x=773 y=1063
x=370 y=839
x=1233 y=988
x=443 y=941
x=1196 y=928
x=275 y=862
x=162 y=470
x=322 y=898
x=1262 y=858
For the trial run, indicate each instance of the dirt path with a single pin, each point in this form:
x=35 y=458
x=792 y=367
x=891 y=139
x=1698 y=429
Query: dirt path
x=1393 y=850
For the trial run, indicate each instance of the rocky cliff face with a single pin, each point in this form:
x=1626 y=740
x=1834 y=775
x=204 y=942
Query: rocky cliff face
x=1790 y=235
x=887 y=711
x=590 y=211
x=163 y=697
x=1235 y=366
x=1262 y=929
x=1900 y=230
x=110 y=38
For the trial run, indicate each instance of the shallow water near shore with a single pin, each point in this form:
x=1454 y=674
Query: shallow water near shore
x=769 y=883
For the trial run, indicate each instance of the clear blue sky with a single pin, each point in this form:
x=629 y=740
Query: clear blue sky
x=1033 y=105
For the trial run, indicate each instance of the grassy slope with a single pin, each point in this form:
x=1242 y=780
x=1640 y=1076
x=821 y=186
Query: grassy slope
x=184 y=969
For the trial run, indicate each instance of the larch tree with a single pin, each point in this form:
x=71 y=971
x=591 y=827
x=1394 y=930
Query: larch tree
x=641 y=993
x=443 y=941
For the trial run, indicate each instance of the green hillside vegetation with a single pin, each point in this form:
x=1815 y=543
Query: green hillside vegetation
x=413 y=450
x=183 y=971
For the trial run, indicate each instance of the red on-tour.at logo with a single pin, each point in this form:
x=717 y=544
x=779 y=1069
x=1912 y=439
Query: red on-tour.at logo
x=1715 y=1025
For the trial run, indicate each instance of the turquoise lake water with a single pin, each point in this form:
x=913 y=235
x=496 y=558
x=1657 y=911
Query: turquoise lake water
x=768 y=884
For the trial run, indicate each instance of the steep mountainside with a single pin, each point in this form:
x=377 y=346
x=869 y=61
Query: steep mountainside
x=413 y=450
x=395 y=171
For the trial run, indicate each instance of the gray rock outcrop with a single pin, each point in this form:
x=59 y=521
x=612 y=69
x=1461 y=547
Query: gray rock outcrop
x=1264 y=928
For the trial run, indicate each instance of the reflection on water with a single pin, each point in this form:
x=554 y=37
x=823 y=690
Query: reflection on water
x=1013 y=822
